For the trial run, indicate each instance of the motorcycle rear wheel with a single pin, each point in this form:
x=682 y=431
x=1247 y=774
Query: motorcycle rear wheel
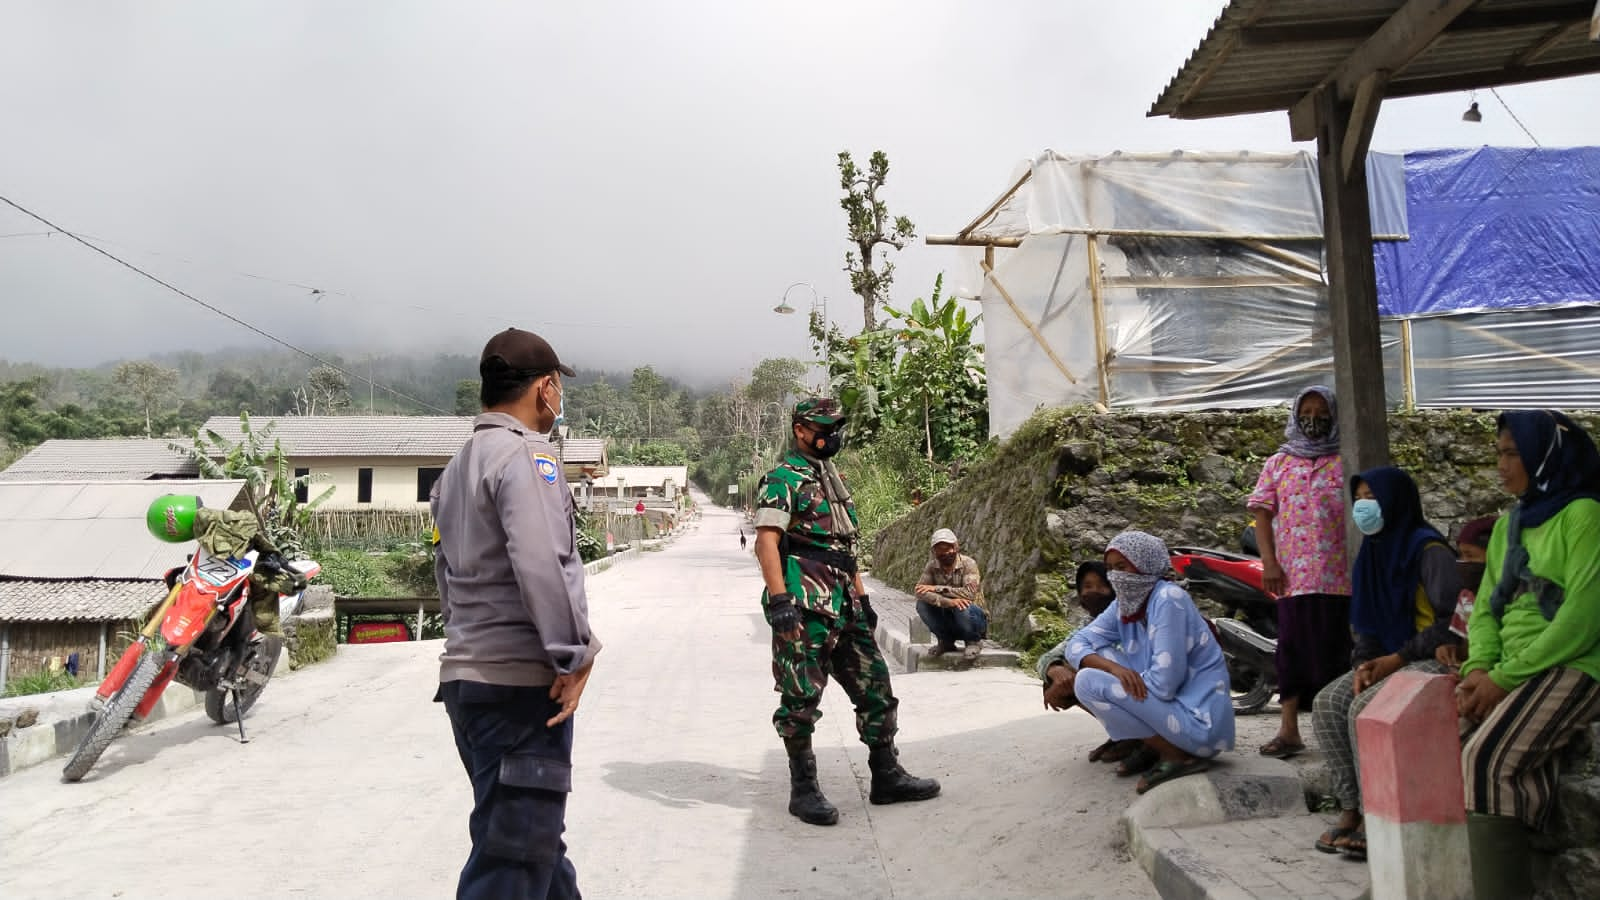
x=111 y=718
x=219 y=702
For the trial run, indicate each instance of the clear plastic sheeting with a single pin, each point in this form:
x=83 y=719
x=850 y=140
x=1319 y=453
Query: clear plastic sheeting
x=1528 y=358
x=1195 y=281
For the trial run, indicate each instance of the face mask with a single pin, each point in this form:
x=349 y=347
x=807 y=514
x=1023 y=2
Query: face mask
x=1316 y=428
x=1095 y=602
x=560 y=411
x=1133 y=589
x=824 y=446
x=946 y=559
x=1368 y=516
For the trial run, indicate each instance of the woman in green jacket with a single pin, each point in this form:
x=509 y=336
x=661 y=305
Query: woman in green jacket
x=1532 y=676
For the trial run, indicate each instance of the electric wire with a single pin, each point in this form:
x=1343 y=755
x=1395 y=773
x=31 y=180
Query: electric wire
x=224 y=313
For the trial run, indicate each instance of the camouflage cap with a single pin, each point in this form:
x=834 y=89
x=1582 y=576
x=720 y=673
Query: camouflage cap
x=824 y=411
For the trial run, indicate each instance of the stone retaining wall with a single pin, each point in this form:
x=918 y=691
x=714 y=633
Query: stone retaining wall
x=1070 y=479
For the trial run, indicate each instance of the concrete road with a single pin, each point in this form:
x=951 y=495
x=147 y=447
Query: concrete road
x=350 y=786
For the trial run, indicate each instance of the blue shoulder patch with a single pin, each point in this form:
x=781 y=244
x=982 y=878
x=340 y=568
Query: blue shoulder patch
x=546 y=467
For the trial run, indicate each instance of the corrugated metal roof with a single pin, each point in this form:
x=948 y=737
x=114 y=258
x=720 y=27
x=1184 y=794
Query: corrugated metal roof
x=77 y=601
x=645 y=476
x=106 y=459
x=1264 y=55
x=91 y=529
x=303 y=436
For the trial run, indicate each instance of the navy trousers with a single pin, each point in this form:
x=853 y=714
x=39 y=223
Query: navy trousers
x=951 y=625
x=521 y=773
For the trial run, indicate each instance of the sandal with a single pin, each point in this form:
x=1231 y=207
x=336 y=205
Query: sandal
x=1167 y=771
x=1138 y=762
x=1355 y=847
x=1330 y=840
x=1104 y=750
x=1278 y=748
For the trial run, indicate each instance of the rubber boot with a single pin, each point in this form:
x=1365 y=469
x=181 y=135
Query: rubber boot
x=806 y=802
x=892 y=784
x=1502 y=861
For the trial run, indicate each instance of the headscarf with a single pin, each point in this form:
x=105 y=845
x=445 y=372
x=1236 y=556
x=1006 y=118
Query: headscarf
x=1296 y=443
x=1383 y=600
x=1149 y=555
x=1477 y=532
x=1560 y=458
x=1094 y=567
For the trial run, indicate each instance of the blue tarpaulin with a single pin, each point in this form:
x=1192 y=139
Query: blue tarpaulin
x=1495 y=229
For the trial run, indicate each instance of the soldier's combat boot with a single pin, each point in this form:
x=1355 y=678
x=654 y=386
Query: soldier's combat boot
x=892 y=784
x=806 y=802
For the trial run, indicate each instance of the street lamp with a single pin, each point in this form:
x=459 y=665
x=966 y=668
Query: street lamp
x=819 y=314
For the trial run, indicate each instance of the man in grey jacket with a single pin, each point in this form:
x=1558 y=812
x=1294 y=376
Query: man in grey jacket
x=517 y=649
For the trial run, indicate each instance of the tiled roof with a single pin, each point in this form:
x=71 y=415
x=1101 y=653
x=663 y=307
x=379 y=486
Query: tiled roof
x=76 y=601
x=303 y=436
x=105 y=459
x=645 y=476
x=91 y=529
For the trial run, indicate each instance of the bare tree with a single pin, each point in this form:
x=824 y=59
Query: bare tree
x=149 y=383
x=871 y=227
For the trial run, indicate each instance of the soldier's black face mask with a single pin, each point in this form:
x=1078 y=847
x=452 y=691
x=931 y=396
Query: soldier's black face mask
x=823 y=444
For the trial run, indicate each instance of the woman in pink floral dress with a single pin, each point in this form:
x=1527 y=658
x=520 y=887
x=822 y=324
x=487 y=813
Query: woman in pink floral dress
x=1299 y=509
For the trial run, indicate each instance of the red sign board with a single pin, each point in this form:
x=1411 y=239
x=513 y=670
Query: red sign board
x=639 y=507
x=379 y=632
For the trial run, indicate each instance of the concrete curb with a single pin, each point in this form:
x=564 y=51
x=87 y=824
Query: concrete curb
x=58 y=736
x=902 y=636
x=604 y=563
x=1239 y=832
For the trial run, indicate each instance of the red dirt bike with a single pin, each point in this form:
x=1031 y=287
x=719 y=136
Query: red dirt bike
x=1248 y=634
x=202 y=636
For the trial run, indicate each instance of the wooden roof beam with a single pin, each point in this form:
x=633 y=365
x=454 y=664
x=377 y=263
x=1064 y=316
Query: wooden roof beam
x=1406 y=34
x=1571 y=12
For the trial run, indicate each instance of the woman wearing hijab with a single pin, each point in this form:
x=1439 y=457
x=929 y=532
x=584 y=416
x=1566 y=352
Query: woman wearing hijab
x=1148 y=667
x=1056 y=675
x=1405 y=589
x=1299 y=511
x=1530 y=680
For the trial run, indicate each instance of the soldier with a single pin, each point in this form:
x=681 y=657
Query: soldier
x=822 y=621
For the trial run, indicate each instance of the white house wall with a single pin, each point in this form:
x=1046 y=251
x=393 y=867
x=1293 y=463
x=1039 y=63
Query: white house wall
x=394 y=481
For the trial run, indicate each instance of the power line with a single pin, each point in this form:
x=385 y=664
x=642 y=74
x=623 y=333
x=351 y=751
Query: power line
x=221 y=312
x=1507 y=107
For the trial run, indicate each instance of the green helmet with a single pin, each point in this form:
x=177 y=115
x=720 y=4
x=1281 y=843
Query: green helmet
x=171 y=517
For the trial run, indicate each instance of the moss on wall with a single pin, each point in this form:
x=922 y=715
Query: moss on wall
x=1070 y=479
x=313 y=637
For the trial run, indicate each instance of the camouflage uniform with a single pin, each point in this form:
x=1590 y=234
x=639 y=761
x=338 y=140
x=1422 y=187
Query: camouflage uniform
x=837 y=636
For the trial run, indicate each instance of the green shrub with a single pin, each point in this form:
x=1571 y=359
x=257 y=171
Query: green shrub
x=354 y=573
x=41 y=683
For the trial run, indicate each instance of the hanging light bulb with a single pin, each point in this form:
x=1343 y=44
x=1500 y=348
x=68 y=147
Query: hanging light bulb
x=1472 y=114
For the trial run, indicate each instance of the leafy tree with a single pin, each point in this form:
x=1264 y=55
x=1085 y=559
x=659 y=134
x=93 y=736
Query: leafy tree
x=648 y=390
x=468 y=402
x=651 y=453
x=148 y=383
x=231 y=392
x=259 y=459
x=939 y=384
x=870 y=227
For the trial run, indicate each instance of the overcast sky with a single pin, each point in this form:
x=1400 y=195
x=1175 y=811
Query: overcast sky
x=638 y=181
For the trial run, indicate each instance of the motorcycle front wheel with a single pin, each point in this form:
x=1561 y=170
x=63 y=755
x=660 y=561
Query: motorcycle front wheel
x=108 y=722
x=1251 y=689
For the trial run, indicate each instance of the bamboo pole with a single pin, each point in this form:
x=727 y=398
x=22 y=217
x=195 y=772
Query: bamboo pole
x=995 y=206
x=1408 y=372
x=1102 y=358
x=1282 y=255
x=1022 y=317
x=1268 y=360
x=955 y=240
x=1185 y=282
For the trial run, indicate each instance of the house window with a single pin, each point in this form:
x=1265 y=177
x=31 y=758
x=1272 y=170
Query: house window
x=363 y=485
x=425 y=479
x=302 y=491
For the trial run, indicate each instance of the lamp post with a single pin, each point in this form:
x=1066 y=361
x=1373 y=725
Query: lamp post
x=819 y=313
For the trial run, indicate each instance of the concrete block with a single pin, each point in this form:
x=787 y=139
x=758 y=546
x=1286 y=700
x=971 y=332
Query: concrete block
x=919 y=631
x=29 y=747
x=1255 y=787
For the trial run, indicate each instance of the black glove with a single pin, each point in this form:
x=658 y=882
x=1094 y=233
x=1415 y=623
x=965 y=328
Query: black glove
x=782 y=614
x=867 y=612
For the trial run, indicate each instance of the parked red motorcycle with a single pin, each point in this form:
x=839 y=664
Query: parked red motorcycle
x=1248 y=634
x=202 y=636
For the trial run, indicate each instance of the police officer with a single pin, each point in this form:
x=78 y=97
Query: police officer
x=822 y=622
x=517 y=649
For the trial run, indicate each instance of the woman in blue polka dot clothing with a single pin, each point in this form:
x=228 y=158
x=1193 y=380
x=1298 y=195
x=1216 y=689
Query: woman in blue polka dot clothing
x=1149 y=667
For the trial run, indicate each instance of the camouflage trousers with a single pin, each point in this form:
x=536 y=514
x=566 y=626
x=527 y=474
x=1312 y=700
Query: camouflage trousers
x=844 y=648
